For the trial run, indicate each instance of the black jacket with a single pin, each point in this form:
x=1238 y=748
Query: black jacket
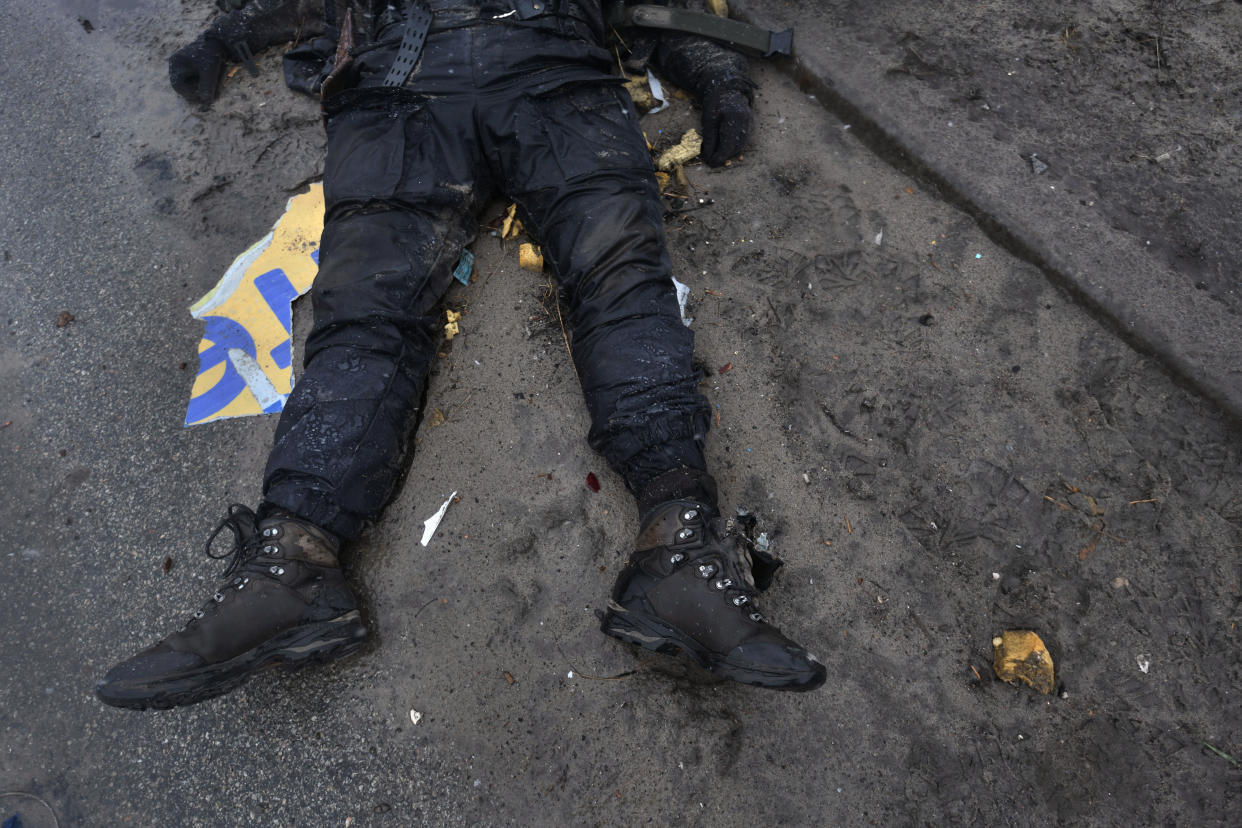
x=690 y=62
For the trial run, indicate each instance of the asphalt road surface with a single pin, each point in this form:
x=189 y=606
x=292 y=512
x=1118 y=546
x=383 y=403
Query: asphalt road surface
x=942 y=433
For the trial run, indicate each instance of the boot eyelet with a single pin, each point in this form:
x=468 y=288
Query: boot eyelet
x=685 y=534
x=741 y=600
x=754 y=616
x=676 y=558
x=277 y=570
x=723 y=584
x=690 y=514
x=271 y=549
x=237 y=581
x=707 y=570
x=218 y=597
x=198 y=614
x=271 y=532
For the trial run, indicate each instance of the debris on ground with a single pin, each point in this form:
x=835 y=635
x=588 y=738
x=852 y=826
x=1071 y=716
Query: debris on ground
x=592 y=482
x=683 y=293
x=687 y=150
x=530 y=257
x=1165 y=156
x=464 y=268
x=1019 y=656
x=641 y=94
x=1223 y=755
x=511 y=227
x=657 y=93
x=246 y=356
x=451 y=328
x=63 y=319
x=431 y=524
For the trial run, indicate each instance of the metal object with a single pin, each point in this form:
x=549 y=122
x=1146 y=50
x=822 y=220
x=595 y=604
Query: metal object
x=734 y=32
x=527 y=9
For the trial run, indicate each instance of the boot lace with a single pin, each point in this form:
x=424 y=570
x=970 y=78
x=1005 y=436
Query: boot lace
x=242 y=522
x=715 y=569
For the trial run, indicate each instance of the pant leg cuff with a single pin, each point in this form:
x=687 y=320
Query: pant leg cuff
x=314 y=507
x=676 y=484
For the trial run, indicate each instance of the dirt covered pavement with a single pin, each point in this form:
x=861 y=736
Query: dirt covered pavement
x=941 y=441
x=1093 y=138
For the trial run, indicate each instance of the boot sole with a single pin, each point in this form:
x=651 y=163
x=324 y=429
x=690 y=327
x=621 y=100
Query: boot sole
x=293 y=649
x=651 y=633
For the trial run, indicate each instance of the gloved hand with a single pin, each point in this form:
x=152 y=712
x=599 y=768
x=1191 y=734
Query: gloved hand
x=726 y=124
x=195 y=69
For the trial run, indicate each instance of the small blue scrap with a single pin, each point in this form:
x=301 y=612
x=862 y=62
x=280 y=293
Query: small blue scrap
x=14 y=821
x=465 y=266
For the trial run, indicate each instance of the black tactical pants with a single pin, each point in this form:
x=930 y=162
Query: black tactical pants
x=405 y=175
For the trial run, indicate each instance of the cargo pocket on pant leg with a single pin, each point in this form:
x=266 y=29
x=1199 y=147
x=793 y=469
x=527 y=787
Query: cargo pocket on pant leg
x=367 y=142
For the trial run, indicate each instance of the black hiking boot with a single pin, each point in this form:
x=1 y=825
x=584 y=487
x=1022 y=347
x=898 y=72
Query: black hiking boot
x=286 y=603
x=689 y=588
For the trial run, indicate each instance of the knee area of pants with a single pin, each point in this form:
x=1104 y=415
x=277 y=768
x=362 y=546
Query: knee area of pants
x=642 y=326
x=363 y=368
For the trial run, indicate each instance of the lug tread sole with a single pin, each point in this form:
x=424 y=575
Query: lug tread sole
x=316 y=643
x=651 y=633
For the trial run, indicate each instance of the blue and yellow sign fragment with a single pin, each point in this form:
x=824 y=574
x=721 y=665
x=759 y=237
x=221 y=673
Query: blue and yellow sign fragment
x=246 y=356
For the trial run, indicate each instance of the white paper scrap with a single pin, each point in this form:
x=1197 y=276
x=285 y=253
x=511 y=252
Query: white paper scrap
x=683 y=293
x=431 y=524
x=657 y=92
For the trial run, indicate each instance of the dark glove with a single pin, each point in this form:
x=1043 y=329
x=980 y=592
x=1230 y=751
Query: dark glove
x=726 y=124
x=195 y=70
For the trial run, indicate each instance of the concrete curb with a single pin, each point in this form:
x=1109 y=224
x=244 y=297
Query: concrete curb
x=1112 y=273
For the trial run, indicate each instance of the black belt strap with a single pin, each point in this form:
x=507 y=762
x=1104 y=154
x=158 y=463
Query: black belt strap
x=417 y=23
